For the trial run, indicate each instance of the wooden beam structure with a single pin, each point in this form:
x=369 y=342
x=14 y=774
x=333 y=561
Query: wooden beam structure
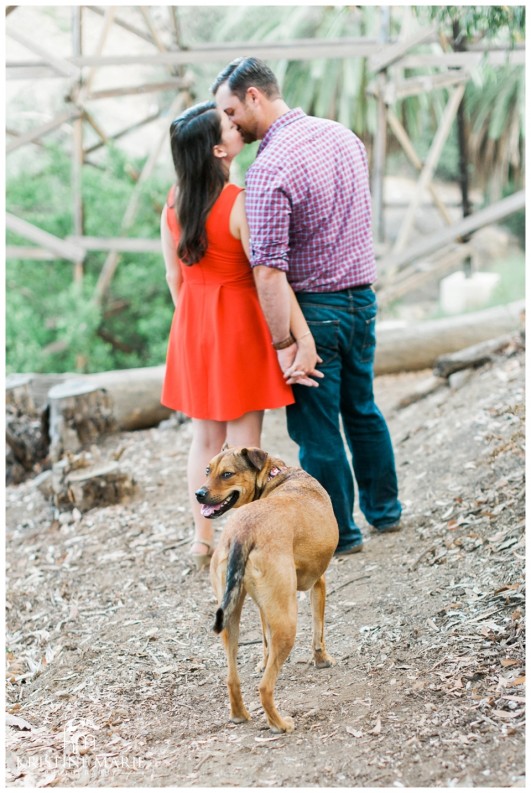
x=61 y=248
x=385 y=57
x=427 y=246
x=429 y=166
x=39 y=132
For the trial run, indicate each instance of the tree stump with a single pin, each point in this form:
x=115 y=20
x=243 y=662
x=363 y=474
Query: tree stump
x=78 y=483
x=80 y=413
x=26 y=430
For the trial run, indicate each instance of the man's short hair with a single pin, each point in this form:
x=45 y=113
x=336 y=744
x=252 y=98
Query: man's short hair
x=243 y=73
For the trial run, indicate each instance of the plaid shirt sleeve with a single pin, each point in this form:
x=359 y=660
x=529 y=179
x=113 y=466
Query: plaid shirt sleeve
x=268 y=210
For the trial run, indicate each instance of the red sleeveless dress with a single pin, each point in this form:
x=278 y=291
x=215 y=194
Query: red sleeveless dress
x=220 y=362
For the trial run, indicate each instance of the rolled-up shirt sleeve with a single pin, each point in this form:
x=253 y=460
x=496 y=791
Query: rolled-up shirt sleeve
x=268 y=210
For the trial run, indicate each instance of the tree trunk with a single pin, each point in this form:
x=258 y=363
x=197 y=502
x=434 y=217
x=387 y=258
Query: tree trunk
x=459 y=46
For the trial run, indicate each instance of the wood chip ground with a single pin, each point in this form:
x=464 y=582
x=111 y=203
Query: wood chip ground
x=114 y=677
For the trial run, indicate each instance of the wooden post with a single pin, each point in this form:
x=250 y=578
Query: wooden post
x=112 y=261
x=107 y=23
x=77 y=147
x=403 y=138
x=429 y=166
x=380 y=140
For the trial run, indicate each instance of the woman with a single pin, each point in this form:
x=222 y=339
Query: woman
x=221 y=368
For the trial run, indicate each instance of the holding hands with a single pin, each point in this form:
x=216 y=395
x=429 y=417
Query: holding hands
x=299 y=361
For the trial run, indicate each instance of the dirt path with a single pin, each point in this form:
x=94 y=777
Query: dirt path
x=115 y=678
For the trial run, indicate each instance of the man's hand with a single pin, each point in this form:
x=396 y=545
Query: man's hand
x=298 y=365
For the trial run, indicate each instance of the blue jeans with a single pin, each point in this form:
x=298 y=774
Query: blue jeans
x=343 y=325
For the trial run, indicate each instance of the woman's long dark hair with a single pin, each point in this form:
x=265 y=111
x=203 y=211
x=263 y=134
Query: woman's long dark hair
x=200 y=175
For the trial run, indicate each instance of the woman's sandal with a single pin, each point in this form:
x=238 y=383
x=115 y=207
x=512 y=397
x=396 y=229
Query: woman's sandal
x=202 y=559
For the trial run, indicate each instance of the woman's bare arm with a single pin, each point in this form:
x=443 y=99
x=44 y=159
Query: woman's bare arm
x=173 y=267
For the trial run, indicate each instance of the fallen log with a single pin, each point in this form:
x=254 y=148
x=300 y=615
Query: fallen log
x=135 y=394
x=476 y=355
x=414 y=347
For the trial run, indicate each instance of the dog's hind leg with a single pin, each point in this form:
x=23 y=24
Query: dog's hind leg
x=318 y=599
x=261 y=665
x=230 y=635
x=281 y=618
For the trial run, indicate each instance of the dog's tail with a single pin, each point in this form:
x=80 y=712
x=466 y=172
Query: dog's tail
x=237 y=560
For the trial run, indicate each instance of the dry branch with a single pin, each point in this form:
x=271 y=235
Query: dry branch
x=475 y=355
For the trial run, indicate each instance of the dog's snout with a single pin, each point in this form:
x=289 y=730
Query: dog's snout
x=201 y=494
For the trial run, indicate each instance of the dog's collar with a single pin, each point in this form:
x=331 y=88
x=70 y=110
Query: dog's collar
x=275 y=471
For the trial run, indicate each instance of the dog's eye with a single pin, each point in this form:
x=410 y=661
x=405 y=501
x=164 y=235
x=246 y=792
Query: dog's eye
x=226 y=474
x=207 y=471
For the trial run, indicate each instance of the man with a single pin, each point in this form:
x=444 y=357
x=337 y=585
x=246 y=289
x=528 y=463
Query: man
x=309 y=211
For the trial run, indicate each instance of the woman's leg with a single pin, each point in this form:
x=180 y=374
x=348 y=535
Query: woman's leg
x=246 y=430
x=207 y=439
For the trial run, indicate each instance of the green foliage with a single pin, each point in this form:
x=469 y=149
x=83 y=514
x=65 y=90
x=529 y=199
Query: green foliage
x=494 y=101
x=511 y=286
x=479 y=22
x=55 y=325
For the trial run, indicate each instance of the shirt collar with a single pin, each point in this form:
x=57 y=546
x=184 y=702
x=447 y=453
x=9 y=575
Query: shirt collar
x=276 y=126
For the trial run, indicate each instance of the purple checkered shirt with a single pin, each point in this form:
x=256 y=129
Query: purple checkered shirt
x=308 y=204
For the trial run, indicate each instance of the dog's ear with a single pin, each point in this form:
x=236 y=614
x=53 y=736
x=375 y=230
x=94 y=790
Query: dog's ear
x=256 y=457
x=225 y=446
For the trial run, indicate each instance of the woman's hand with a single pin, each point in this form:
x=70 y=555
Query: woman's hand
x=299 y=362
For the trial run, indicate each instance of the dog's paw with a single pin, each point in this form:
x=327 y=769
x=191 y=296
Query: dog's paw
x=240 y=718
x=286 y=725
x=323 y=661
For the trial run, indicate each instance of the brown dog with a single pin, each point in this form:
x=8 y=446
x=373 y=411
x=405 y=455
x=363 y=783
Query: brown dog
x=280 y=540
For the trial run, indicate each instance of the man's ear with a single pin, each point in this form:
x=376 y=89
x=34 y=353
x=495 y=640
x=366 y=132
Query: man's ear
x=253 y=94
x=256 y=457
